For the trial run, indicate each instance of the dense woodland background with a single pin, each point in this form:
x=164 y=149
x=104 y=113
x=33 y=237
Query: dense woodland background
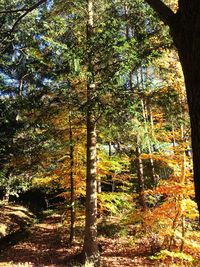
x=92 y=92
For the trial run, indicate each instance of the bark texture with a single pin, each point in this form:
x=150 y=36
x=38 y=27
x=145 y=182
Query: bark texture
x=185 y=31
x=90 y=247
x=140 y=176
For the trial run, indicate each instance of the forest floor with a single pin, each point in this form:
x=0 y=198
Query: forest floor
x=46 y=245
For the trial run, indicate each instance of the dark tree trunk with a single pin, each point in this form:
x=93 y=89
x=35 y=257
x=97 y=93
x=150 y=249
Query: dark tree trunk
x=192 y=81
x=185 y=31
x=72 y=193
x=110 y=176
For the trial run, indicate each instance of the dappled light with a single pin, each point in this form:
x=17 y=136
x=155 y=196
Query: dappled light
x=99 y=133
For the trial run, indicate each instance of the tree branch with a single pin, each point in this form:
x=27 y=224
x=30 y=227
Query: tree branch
x=26 y=13
x=163 y=11
x=8 y=33
x=13 y=11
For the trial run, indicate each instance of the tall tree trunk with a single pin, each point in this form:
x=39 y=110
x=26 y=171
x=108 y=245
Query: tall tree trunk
x=151 y=161
x=190 y=59
x=140 y=176
x=185 y=31
x=72 y=193
x=155 y=177
x=173 y=136
x=110 y=176
x=146 y=115
x=183 y=140
x=90 y=247
x=194 y=110
x=183 y=226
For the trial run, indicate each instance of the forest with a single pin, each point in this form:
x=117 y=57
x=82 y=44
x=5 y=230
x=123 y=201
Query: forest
x=99 y=133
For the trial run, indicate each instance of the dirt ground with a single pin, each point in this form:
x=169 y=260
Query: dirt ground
x=44 y=246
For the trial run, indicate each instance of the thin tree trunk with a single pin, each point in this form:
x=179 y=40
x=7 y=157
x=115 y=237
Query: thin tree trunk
x=110 y=149
x=72 y=193
x=151 y=161
x=173 y=137
x=99 y=189
x=140 y=176
x=145 y=112
x=126 y=13
x=155 y=177
x=174 y=226
x=151 y=117
x=183 y=156
x=110 y=155
x=183 y=233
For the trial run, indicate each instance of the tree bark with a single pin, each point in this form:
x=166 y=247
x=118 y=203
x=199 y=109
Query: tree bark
x=110 y=176
x=164 y=12
x=149 y=146
x=72 y=193
x=193 y=92
x=90 y=247
x=185 y=31
x=140 y=176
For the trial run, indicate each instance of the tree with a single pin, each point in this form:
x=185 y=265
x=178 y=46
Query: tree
x=184 y=29
x=90 y=248
x=13 y=13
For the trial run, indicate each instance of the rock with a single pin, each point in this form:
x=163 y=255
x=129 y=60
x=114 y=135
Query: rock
x=14 y=219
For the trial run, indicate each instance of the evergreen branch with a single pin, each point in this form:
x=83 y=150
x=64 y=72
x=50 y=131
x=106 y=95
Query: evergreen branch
x=13 y=11
x=9 y=33
x=26 y=13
